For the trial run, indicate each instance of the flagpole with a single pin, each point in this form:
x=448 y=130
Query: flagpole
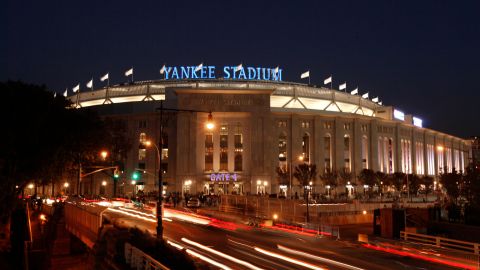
x=331 y=81
x=132 y=74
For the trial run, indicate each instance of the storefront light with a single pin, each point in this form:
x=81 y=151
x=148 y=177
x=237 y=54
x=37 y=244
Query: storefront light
x=265 y=183
x=259 y=182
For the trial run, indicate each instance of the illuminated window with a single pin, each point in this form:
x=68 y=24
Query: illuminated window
x=238 y=142
x=380 y=154
x=306 y=148
x=462 y=161
x=457 y=160
x=388 y=155
x=209 y=152
x=224 y=148
x=327 y=141
x=448 y=154
x=346 y=153
x=406 y=156
x=364 y=152
x=431 y=159
x=282 y=152
x=441 y=165
x=305 y=124
x=419 y=158
x=142 y=154
x=282 y=123
x=142 y=138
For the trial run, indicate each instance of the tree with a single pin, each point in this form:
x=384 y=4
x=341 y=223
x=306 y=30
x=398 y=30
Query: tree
x=306 y=173
x=383 y=179
x=368 y=177
x=427 y=182
x=414 y=182
x=451 y=181
x=398 y=180
x=283 y=176
x=329 y=178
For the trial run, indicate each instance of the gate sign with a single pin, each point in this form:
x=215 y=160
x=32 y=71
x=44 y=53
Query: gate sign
x=221 y=177
x=229 y=73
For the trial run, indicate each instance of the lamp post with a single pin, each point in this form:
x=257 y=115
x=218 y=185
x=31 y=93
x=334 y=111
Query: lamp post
x=209 y=125
x=300 y=158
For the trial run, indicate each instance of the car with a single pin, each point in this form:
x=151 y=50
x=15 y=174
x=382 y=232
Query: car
x=193 y=202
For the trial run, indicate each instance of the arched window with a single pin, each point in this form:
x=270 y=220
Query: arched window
x=364 y=152
x=347 y=152
x=282 y=152
x=327 y=153
x=306 y=148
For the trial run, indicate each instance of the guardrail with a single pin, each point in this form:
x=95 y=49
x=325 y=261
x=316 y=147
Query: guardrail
x=441 y=242
x=138 y=259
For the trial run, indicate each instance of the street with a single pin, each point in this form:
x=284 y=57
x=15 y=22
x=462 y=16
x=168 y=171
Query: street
x=244 y=247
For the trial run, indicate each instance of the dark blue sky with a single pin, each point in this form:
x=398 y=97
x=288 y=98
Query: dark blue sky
x=421 y=56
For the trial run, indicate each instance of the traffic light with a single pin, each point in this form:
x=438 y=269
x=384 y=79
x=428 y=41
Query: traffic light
x=135 y=176
x=116 y=173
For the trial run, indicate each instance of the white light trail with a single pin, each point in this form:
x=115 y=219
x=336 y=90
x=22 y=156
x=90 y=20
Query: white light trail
x=223 y=255
x=138 y=212
x=201 y=257
x=180 y=247
x=133 y=215
x=288 y=259
x=322 y=259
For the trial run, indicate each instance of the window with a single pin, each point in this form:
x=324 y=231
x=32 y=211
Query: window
x=164 y=144
x=208 y=152
x=142 y=139
x=327 y=153
x=282 y=152
x=142 y=154
x=346 y=126
x=364 y=128
x=441 y=165
x=419 y=158
x=305 y=124
x=364 y=152
x=327 y=125
x=457 y=160
x=381 y=156
x=142 y=124
x=282 y=123
x=388 y=155
x=406 y=156
x=238 y=143
x=462 y=161
x=448 y=153
x=224 y=148
x=430 y=159
x=346 y=152
x=306 y=148
x=141 y=165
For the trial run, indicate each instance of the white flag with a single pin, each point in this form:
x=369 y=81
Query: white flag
x=305 y=75
x=162 y=70
x=76 y=88
x=355 y=91
x=199 y=67
x=375 y=99
x=90 y=84
x=105 y=77
x=328 y=80
x=365 y=95
x=129 y=72
x=380 y=103
x=55 y=95
x=342 y=86
x=237 y=68
x=65 y=93
x=276 y=69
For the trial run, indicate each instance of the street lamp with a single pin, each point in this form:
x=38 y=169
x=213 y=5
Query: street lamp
x=104 y=154
x=209 y=125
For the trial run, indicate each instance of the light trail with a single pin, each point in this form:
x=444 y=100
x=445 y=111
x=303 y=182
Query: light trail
x=288 y=259
x=318 y=258
x=223 y=255
x=152 y=220
x=137 y=212
x=421 y=257
x=204 y=258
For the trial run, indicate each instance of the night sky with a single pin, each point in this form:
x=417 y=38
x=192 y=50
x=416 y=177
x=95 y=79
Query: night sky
x=423 y=57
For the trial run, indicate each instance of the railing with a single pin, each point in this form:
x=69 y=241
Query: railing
x=441 y=242
x=138 y=259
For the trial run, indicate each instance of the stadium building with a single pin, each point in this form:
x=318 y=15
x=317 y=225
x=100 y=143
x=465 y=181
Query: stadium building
x=261 y=124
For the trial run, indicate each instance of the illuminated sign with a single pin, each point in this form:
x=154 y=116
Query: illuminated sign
x=417 y=122
x=228 y=73
x=223 y=177
x=398 y=115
